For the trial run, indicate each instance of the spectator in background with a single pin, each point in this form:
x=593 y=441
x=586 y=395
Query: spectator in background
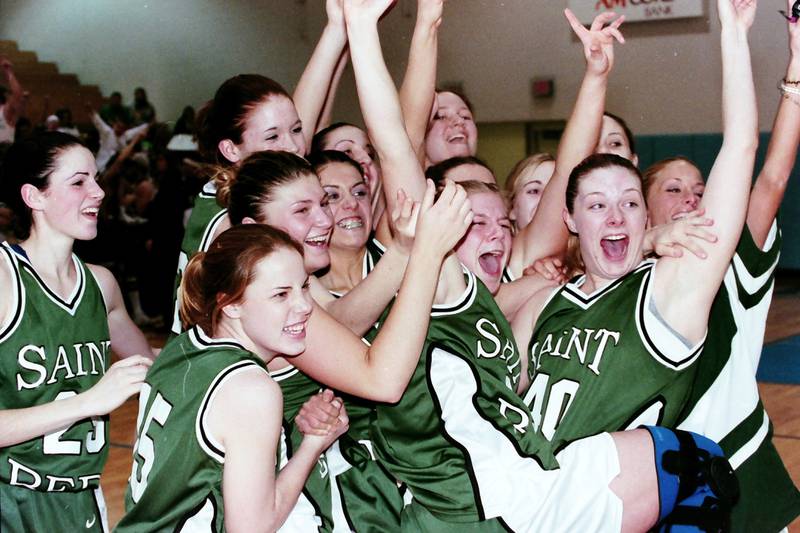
x=114 y=111
x=65 y=120
x=51 y=123
x=185 y=123
x=112 y=138
x=143 y=110
x=11 y=102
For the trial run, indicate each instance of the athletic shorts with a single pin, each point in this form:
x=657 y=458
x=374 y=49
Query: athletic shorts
x=25 y=511
x=527 y=499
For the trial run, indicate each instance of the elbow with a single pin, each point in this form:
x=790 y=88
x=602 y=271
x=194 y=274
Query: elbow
x=392 y=393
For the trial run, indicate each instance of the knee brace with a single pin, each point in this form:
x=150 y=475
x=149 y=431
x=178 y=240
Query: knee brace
x=696 y=484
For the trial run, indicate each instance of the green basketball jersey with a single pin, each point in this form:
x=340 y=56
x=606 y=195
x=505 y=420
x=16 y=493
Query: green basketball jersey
x=206 y=217
x=460 y=438
x=297 y=387
x=724 y=403
x=176 y=479
x=53 y=349
x=606 y=361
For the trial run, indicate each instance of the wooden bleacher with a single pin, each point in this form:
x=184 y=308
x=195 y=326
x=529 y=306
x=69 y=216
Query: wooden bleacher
x=43 y=81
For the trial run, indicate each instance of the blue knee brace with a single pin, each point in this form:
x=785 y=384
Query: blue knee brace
x=696 y=484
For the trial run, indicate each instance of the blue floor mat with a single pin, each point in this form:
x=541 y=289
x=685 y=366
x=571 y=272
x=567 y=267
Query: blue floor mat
x=780 y=362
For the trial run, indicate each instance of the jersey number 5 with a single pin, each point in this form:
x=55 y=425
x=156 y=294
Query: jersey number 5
x=144 y=449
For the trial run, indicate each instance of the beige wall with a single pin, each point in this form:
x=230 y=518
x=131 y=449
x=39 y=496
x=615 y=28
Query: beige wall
x=666 y=79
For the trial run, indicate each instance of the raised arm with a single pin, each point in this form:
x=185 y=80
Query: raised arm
x=14 y=101
x=770 y=186
x=380 y=105
x=418 y=91
x=380 y=372
x=330 y=99
x=547 y=235
x=685 y=287
x=312 y=89
x=361 y=307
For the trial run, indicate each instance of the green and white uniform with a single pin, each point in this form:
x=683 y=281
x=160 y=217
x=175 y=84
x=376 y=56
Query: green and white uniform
x=462 y=440
x=316 y=501
x=725 y=405
x=53 y=349
x=176 y=479
x=606 y=361
x=206 y=217
x=366 y=497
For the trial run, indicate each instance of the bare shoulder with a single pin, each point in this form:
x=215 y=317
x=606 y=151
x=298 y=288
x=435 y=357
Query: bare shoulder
x=529 y=312
x=108 y=284
x=6 y=287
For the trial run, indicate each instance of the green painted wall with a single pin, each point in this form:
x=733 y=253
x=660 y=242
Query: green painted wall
x=501 y=145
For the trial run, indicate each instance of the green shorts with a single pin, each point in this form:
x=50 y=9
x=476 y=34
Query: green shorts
x=23 y=510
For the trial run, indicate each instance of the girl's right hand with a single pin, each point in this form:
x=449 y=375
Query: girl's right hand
x=321 y=439
x=598 y=40
x=442 y=224
x=122 y=380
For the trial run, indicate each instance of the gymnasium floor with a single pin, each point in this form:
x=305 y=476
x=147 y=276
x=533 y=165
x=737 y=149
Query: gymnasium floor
x=782 y=402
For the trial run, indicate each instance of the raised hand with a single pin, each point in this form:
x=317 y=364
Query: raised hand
x=551 y=268
x=365 y=11
x=5 y=64
x=429 y=12
x=122 y=380
x=404 y=221
x=335 y=12
x=442 y=224
x=740 y=13
x=794 y=33
x=598 y=40
x=670 y=239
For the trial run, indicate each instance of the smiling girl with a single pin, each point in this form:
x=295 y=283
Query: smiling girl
x=58 y=323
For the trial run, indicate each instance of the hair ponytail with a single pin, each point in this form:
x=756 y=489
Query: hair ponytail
x=219 y=277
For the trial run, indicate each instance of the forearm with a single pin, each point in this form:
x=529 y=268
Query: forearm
x=395 y=351
x=312 y=89
x=547 y=234
x=419 y=84
x=289 y=484
x=383 y=117
x=20 y=425
x=770 y=186
x=325 y=119
x=361 y=307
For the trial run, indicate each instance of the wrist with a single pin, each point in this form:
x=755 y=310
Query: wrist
x=336 y=30
x=793 y=70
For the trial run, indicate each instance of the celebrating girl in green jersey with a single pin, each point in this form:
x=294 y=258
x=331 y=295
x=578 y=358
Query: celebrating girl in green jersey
x=59 y=320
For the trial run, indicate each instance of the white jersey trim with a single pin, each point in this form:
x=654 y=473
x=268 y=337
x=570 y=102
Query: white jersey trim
x=663 y=343
x=70 y=305
x=17 y=297
x=573 y=292
x=205 y=438
x=209 y=190
x=750 y=447
x=462 y=302
x=752 y=284
x=211 y=229
x=283 y=373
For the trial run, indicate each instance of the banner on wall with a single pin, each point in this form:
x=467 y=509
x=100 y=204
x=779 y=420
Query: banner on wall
x=637 y=10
